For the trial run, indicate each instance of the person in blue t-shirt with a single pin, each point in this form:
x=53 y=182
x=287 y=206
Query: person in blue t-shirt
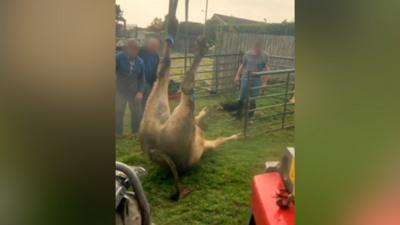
x=255 y=60
x=130 y=81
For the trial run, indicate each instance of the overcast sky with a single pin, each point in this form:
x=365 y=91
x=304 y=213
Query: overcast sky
x=142 y=12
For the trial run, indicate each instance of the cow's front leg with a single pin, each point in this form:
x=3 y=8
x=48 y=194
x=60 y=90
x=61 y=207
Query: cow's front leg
x=212 y=144
x=188 y=80
x=185 y=109
x=157 y=109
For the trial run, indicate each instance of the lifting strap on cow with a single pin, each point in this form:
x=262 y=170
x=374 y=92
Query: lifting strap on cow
x=172 y=22
x=186 y=31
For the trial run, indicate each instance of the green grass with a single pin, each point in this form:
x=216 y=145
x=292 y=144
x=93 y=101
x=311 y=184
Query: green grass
x=220 y=183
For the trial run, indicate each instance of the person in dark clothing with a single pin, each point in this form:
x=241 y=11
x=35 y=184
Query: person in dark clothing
x=130 y=81
x=151 y=59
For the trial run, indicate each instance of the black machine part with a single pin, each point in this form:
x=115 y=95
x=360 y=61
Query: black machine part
x=283 y=167
x=284 y=199
x=132 y=179
x=285 y=196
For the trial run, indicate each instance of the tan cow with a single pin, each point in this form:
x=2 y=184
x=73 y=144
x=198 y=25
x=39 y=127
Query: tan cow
x=175 y=139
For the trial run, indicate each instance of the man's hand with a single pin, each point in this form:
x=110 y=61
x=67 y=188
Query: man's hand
x=237 y=79
x=139 y=97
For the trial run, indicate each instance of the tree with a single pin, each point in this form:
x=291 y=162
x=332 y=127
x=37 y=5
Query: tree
x=157 y=25
x=120 y=29
x=284 y=28
x=194 y=29
x=119 y=13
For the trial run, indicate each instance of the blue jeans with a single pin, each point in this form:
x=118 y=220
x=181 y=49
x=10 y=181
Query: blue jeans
x=255 y=82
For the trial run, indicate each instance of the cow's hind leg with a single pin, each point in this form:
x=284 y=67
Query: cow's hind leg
x=212 y=144
x=199 y=118
x=179 y=191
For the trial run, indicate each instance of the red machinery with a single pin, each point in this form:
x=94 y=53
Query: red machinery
x=272 y=200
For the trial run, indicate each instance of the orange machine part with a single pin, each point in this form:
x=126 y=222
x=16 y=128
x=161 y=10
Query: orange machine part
x=265 y=188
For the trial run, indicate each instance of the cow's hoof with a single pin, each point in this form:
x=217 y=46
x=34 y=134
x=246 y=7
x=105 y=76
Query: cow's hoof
x=175 y=197
x=203 y=112
x=180 y=195
x=236 y=136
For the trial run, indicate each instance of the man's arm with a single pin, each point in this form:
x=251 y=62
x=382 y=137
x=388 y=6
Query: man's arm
x=239 y=73
x=157 y=62
x=143 y=80
x=117 y=62
x=140 y=93
x=240 y=69
x=264 y=79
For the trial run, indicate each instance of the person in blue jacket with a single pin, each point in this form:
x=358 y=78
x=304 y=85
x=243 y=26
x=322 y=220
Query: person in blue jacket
x=130 y=81
x=151 y=59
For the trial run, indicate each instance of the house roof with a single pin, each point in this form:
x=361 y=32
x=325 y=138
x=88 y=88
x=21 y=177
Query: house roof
x=232 y=20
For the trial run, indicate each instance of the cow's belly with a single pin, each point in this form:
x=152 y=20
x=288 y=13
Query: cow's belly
x=177 y=144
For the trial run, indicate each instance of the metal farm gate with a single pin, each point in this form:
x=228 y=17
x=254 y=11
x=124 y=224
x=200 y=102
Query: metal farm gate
x=215 y=77
x=272 y=100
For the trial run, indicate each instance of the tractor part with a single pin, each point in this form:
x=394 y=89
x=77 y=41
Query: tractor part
x=131 y=208
x=272 y=199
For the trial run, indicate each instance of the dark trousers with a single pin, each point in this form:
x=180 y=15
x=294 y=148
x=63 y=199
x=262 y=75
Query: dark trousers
x=122 y=99
x=241 y=107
